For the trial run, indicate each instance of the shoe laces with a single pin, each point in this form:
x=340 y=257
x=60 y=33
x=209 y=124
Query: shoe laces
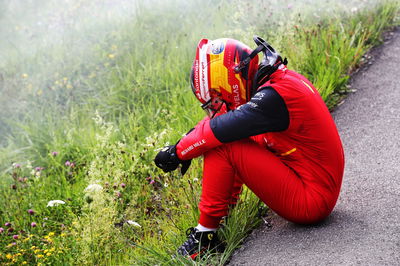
x=191 y=241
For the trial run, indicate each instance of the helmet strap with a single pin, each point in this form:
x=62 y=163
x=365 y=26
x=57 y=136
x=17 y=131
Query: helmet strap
x=210 y=109
x=215 y=111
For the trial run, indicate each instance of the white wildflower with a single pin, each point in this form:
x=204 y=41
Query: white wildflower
x=147 y=145
x=53 y=203
x=97 y=118
x=149 y=140
x=130 y=222
x=121 y=145
x=16 y=165
x=28 y=165
x=162 y=133
x=92 y=188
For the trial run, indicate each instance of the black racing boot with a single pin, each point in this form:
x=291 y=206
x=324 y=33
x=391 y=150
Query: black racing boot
x=198 y=243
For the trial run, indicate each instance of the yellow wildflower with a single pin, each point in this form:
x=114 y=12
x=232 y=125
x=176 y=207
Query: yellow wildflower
x=52 y=249
x=24 y=75
x=40 y=256
x=48 y=254
x=51 y=234
x=33 y=247
x=18 y=254
x=9 y=256
x=10 y=245
x=69 y=86
x=36 y=251
x=39 y=92
x=46 y=250
x=24 y=262
x=63 y=234
x=111 y=56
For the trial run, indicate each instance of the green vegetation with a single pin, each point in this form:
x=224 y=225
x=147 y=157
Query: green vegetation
x=85 y=101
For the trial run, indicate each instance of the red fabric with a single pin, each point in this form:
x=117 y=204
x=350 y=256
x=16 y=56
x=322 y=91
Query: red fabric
x=272 y=181
x=198 y=141
x=312 y=132
x=297 y=172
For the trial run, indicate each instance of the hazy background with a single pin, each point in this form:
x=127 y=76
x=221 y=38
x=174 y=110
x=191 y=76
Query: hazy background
x=47 y=46
x=53 y=52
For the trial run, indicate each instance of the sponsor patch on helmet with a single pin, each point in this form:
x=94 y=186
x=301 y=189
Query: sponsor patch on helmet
x=217 y=47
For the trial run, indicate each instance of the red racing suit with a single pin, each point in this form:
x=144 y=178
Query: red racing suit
x=296 y=169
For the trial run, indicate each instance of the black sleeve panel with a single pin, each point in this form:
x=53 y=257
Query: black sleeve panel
x=265 y=112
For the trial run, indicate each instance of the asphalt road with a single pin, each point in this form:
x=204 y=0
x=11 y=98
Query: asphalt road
x=364 y=228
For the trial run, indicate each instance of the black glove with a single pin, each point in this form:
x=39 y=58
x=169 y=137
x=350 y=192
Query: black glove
x=168 y=161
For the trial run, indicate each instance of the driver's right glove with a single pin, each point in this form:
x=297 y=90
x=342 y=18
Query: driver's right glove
x=168 y=161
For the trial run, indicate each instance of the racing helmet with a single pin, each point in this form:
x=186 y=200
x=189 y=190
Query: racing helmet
x=224 y=69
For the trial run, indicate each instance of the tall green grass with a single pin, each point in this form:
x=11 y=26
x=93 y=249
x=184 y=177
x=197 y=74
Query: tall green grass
x=94 y=111
x=332 y=49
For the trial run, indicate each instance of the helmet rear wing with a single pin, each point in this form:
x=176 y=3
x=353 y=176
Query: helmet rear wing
x=270 y=55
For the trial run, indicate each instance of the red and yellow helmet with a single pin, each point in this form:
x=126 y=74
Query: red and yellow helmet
x=219 y=71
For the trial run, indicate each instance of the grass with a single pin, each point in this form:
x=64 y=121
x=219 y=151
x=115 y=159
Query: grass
x=91 y=105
